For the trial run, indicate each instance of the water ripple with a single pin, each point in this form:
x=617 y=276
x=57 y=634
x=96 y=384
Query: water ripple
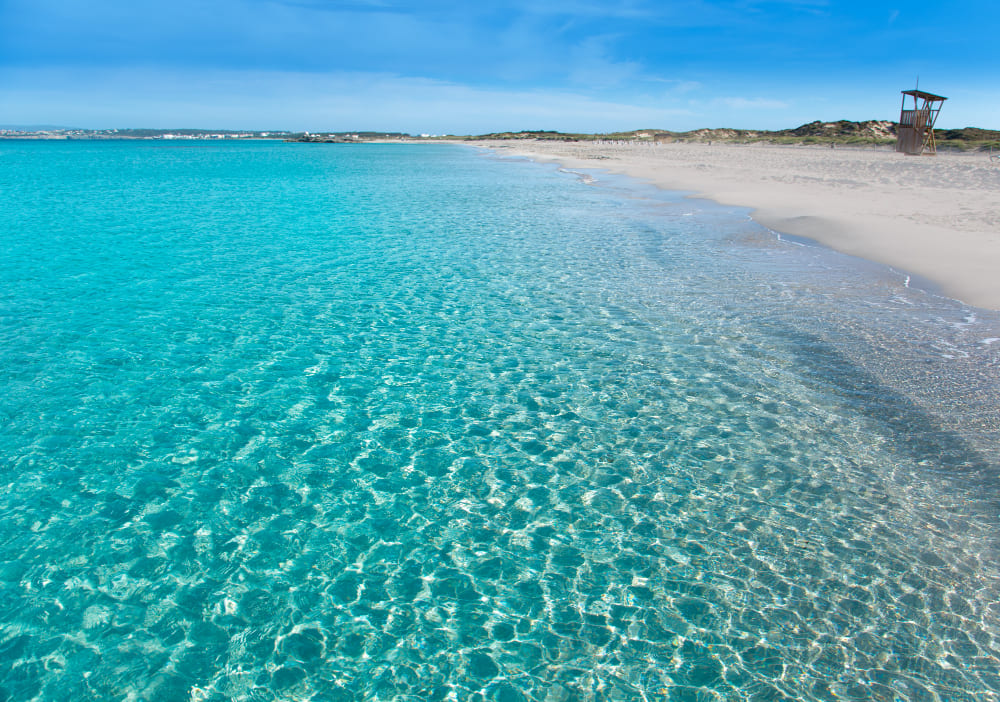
x=408 y=423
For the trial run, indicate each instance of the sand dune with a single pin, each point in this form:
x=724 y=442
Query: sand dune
x=934 y=216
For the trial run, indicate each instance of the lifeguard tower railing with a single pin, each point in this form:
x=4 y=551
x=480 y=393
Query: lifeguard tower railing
x=915 y=134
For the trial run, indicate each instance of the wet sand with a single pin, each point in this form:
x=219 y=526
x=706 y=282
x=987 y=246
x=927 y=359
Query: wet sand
x=937 y=217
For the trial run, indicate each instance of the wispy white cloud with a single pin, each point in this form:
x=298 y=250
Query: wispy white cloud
x=309 y=101
x=638 y=55
x=677 y=86
x=742 y=103
x=592 y=64
x=135 y=97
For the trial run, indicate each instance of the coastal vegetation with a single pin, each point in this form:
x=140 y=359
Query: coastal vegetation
x=843 y=132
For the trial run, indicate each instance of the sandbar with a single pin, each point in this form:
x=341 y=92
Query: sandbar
x=937 y=217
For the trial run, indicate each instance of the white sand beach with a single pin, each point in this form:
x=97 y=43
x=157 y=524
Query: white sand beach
x=937 y=217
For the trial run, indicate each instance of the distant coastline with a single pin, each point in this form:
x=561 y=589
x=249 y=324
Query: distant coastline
x=838 y=133
x=66 y=133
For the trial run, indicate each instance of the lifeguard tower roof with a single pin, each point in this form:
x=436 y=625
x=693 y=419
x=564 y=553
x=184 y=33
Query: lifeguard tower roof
x=921 y=95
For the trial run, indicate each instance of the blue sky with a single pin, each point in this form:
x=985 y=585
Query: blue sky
x=446 y=67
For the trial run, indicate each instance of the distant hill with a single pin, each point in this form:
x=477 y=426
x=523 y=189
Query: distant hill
x=866 y=133
x=964 y=138
x=871 y=129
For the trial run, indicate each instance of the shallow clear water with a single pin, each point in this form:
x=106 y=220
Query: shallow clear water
x=412 y=422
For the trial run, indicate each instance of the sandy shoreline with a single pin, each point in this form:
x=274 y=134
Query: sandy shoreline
x=935 y=217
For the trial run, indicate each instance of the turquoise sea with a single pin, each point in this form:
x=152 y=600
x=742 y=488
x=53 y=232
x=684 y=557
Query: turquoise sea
x=416 y=422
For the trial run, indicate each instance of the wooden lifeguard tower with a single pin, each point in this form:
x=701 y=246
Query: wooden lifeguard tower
x=916 y=126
